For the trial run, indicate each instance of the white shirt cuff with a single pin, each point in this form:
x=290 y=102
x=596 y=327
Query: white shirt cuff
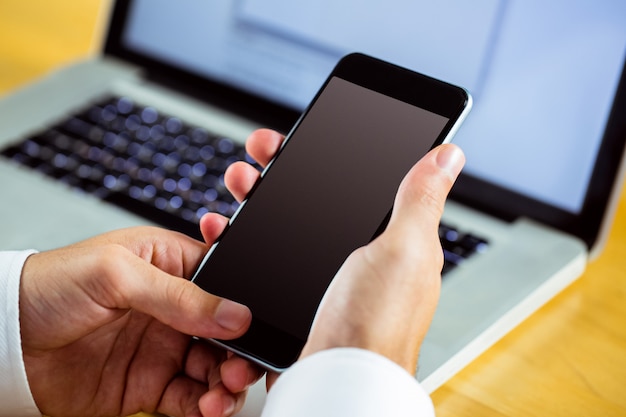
x=15 y=395
x=347 y=382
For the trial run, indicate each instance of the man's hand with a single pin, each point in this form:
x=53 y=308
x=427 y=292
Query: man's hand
x=384 y=296
x=105 y=328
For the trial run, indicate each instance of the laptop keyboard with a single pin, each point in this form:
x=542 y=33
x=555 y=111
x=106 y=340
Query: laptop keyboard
x=158 y=167
x=136 y=157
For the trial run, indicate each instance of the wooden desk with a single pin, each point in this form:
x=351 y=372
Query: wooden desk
x=567 y=359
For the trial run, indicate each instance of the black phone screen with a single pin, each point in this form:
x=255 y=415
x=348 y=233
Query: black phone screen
x=326 y=194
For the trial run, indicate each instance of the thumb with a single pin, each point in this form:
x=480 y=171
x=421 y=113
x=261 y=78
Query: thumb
x=179 y=303
x=422 y=194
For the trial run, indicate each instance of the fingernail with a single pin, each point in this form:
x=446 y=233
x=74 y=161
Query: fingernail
x=229 y=406
x=232 y=315
x=451 y=160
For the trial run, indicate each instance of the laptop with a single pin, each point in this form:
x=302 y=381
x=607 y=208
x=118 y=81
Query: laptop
x=544 y=142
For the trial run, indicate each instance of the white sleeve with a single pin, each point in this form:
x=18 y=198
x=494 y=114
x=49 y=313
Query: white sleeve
x=15 y=395
x=347 y=382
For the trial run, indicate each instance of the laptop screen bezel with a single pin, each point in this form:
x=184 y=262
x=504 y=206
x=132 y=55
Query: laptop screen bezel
x=469 y=190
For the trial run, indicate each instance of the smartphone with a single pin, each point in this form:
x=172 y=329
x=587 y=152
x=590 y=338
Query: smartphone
x=328 y=191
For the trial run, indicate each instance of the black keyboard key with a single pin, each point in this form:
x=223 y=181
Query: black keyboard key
x=458 y=246
x=153 y=213
x=471 y=244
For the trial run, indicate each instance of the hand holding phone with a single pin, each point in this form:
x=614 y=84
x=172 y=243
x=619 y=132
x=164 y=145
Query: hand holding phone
x=385 y=295
x=327 y=192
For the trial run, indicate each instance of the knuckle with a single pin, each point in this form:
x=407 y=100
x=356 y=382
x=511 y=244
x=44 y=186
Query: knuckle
x=431 y=200
x=181 y=292
x=109 y=258
x=111 y=276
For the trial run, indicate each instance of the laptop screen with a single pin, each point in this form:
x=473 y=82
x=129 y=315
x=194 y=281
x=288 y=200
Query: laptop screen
x=543 y=75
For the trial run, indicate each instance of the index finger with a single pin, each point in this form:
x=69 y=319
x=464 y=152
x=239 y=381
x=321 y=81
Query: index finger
x=263 y=144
